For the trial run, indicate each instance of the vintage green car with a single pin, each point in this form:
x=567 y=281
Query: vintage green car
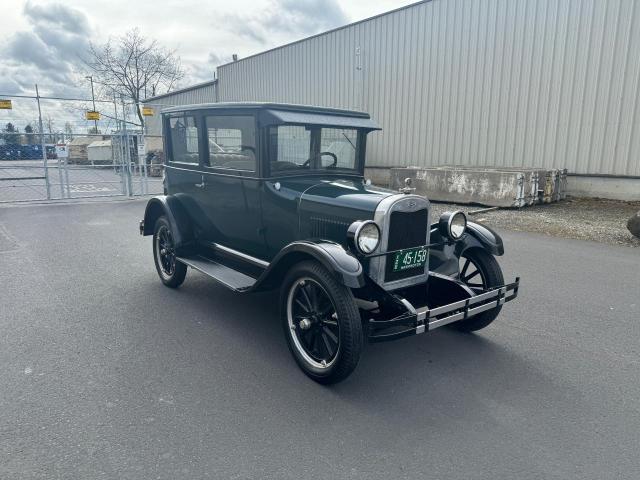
x=263 y=196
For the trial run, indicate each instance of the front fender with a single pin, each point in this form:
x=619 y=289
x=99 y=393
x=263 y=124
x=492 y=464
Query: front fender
x=480 y=236
x=176 y=214
x=343 y=265
x=443 y=259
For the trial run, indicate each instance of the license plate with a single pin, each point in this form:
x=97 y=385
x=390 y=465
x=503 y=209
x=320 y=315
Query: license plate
x=410 y=258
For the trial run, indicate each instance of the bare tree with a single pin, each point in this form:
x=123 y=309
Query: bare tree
x=49 y=126
x=135 y=67
x=68 y=131
x=35 y=126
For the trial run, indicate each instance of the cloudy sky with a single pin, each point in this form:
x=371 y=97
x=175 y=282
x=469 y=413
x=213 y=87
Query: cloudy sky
x=42 y=41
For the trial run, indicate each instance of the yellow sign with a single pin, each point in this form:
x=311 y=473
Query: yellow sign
x=93 y=115
x=5 y=105
x=147 y=111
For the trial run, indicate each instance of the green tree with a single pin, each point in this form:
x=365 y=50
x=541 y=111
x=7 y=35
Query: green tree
x=10 y=135
x=31 y=138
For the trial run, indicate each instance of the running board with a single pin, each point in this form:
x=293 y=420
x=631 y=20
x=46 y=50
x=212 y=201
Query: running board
x=229 y=277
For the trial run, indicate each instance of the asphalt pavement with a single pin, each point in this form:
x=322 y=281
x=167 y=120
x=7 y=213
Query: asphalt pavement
x=106 y=373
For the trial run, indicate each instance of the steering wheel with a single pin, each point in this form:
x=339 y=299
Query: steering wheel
x=331 y=154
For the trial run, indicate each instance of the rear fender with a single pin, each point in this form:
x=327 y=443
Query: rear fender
x=176 y=214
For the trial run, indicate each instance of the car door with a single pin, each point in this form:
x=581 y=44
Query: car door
x=289 y=147
x=231 y=196
x=183 y=169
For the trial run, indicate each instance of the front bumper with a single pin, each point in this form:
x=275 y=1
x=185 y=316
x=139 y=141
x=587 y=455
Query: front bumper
x=422 y=319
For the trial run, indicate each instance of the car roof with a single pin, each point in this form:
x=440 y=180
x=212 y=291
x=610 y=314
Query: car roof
x=289 y=107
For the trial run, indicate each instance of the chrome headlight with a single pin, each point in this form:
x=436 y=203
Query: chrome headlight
x=364 y=236
x=453 y=224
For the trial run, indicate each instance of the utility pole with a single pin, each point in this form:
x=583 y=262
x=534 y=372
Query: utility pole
x=127 y=152
x=43 y=146
x=93 y=99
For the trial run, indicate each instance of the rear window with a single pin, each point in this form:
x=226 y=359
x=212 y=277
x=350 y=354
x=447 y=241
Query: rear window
x=232 y=142
x=184 y=140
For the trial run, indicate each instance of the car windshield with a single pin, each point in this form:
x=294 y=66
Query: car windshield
x=299 y=148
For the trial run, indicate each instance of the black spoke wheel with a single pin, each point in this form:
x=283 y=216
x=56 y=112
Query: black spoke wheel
x=321 y=323
x=171 y=272
x=479 y=271
x=471 y=273
x=313 y=322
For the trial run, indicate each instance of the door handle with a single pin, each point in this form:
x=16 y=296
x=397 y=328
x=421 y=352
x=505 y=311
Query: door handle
x=201 y=184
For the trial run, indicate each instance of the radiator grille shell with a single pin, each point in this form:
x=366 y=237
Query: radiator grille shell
x=406 y=230
x=404 y=222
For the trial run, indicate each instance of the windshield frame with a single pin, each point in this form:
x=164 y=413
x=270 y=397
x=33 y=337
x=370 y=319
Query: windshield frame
x=315 y=144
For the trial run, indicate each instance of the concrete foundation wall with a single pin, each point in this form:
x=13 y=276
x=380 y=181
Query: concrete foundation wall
x=627 y=189
x=604 y=187
x=485 y=187
x=378 y=175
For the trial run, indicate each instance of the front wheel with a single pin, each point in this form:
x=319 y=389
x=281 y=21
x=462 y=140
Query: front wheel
x=321 y=323
x=170 y=271
x=480 y=271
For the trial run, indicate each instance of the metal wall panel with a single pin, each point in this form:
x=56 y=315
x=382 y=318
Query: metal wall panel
x=199 y=94
x=545 y=83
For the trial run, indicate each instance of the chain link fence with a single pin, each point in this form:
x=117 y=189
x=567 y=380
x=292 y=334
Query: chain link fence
x=50 y=150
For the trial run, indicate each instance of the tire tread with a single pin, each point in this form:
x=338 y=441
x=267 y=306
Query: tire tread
x=180 y=269
x=351 y=334
x=494 y=278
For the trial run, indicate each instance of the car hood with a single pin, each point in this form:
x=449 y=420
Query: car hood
x=343 y=193
x=328 y=206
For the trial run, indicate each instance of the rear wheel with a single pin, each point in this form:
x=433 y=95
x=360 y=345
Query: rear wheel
x=321 y=323
x=170 y=271
x=479 y=270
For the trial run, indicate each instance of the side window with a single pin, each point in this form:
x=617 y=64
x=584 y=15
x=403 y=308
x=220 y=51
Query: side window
x=232 y=142
x=290 y=147
x=184 y=140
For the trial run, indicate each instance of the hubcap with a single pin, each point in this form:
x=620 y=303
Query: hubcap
x=305 y=324
x=313 y=322
x=165 y=252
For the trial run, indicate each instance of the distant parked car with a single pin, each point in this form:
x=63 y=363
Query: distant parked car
x=22 y=152
x=10 y=152
x=51 y=152
x=266 y=196
x=154 y=161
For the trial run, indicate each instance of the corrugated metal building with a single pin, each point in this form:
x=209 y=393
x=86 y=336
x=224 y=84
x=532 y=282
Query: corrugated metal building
x=206 y=92
x=549 y=83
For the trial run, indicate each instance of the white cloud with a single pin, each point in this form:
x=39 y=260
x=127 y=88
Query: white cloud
x=42 y=40
x=286 y=18
x=48 y=50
